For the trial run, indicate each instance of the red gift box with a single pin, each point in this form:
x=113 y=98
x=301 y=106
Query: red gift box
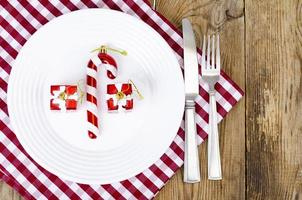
x=119 y=96
x=64 y=97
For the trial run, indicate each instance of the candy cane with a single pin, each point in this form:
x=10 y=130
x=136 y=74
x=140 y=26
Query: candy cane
x=102 y=59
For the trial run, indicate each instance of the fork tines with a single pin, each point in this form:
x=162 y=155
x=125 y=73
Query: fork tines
x=208 y=65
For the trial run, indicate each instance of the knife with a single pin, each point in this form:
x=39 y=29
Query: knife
x=191 y=162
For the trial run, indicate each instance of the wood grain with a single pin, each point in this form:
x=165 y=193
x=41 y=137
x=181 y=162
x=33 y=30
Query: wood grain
x=7 y=193
x=273 y=99
x=261 y=138
x=227 y=18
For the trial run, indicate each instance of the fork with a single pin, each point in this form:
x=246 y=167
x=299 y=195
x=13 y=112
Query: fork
x=210 y=74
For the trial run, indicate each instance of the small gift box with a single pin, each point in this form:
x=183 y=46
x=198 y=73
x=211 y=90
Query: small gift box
x=64 y=97
x=119 y=96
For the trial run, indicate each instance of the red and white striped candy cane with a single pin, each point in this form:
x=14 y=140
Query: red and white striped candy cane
x=102 y=59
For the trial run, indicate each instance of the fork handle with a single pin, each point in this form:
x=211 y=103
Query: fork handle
x=191 y=162
x=214 y=164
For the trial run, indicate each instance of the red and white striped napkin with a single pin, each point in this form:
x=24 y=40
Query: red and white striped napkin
x=18 y=21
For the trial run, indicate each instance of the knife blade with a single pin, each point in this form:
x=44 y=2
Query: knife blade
x=191 y=163
x=190 y=60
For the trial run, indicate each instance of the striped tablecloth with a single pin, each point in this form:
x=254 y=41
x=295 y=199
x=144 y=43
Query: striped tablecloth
x=18 y=21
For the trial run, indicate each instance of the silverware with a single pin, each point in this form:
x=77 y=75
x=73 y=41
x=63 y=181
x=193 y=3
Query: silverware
x=154 y=5
x=210 y=74
x=191 y=163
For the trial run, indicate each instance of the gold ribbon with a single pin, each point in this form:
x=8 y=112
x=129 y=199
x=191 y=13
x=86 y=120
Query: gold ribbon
x=104 y=49
x=81 y=92
x=136 y=90
x=121 y=95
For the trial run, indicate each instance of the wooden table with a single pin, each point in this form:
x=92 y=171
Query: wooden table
x=261 y=138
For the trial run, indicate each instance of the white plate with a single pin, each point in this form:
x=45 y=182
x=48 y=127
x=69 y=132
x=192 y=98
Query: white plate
x=58 y=54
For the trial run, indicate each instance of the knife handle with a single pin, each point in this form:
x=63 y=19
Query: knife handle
x=191 y=162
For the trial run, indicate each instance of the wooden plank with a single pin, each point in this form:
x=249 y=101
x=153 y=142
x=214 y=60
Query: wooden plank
x=274 y=99
x=225 y=17
x=7 y=193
